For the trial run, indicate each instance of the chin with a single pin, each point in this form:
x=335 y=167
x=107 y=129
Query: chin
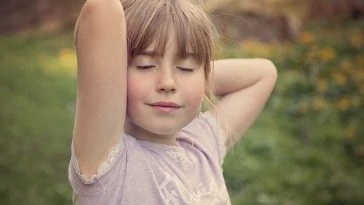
x=164 y=130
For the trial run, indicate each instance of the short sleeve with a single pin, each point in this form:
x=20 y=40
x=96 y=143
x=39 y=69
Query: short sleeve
x=96 y=187
x=206 y=130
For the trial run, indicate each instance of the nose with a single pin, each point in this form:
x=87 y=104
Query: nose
x=166 y=81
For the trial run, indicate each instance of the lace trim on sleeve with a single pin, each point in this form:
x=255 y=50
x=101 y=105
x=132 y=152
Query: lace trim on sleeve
x=103 y=167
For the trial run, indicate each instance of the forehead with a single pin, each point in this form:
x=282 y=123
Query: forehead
x=170 y=45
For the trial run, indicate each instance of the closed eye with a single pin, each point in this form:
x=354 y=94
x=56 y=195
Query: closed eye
x=145 y=67
x=186 y=69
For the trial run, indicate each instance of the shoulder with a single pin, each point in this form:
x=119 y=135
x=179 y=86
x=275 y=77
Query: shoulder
x=206 y=134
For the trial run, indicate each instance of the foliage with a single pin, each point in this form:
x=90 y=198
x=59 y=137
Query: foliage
x=317 y=158
x=37 y=94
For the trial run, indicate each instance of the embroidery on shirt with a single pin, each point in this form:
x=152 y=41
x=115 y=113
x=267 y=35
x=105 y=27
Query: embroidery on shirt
x=175 y=192
x=181 y=159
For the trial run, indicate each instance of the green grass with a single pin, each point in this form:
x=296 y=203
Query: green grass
x=37 y=98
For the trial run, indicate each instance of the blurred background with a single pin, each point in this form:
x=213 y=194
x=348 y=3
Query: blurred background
x=307 y=147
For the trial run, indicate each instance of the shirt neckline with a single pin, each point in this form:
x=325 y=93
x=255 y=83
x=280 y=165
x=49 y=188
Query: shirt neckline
x=160 y=147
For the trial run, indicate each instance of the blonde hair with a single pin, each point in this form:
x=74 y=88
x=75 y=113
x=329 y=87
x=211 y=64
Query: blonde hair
x=148 y=20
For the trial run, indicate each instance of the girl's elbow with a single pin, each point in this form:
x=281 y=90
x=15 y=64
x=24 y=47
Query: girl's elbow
x=273 y=72
x=270 y=70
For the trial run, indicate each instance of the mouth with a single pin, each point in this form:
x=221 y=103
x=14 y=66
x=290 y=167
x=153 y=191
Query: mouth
x=165 y=106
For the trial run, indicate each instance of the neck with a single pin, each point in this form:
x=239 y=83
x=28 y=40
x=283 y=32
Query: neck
x=142 y=134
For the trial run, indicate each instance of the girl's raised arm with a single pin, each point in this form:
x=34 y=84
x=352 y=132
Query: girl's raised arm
x=100 y=38
x=245 y=85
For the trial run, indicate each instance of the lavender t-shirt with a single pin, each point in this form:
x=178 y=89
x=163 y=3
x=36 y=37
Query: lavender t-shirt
x=141 y=172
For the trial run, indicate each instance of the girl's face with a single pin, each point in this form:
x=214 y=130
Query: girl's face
x=164 y=93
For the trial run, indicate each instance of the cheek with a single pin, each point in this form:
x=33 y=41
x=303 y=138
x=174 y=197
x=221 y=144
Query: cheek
x=137 y=87
x=135 y=92
x=195 y=93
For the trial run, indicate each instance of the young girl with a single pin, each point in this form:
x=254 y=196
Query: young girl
x=144 y=69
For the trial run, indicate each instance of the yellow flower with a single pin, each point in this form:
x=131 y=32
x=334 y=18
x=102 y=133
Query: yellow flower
x=343 y=104
x=340 y=78
x=318 y=103
x=306 y=37
x=327 y=54
x=346 y=65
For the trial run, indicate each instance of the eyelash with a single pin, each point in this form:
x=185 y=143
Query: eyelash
x=145 y=67
x=185 y=69
x=190 y=70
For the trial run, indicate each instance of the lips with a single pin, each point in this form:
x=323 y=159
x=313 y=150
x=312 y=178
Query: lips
x=165 y=107
x=165 y=104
